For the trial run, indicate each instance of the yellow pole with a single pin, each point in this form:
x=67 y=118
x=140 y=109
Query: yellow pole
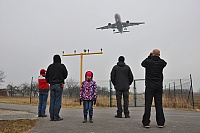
x=81 y=61
x=81 y=69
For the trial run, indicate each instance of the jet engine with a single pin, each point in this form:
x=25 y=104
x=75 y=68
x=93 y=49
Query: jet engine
x=109 y=24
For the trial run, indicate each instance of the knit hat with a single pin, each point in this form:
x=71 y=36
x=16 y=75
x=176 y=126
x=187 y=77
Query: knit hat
x=42 y=72
x=89 y=73
x=121 y=58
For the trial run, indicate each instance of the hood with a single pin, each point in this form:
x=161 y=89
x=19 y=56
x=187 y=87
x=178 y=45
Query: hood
x=121 y=63
x=57 y=59
x=155 y=58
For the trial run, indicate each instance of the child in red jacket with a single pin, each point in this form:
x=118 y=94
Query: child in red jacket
x=43 y=87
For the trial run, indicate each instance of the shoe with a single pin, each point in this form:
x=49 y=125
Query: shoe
x=85 y=120
x=91 y=121
x=127 y=116
x=118 y=116
x=59 y=119
x=147 y=126
x=160 y=126
x=39 y=115
x=51 y=119
x=43 y=116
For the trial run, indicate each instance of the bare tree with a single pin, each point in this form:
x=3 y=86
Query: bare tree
x=72 y=88
x=24 y=89
x=2 y=76
x=35 y=88
x=11 y=90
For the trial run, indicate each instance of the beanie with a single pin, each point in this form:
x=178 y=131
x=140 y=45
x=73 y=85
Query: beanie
x=42 y=72
x=89 y=73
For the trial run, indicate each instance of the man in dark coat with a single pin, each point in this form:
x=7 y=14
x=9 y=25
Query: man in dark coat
x=122 y=78
x=55 y=76
x=154 y=87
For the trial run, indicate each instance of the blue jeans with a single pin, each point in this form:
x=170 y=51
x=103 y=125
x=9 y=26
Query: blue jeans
x=87 y=105
x=55 y=101
x=42 y=103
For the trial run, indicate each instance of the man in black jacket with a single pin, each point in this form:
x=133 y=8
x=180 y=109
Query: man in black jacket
x=55 y=76
x=154 y=87
x=122 y=78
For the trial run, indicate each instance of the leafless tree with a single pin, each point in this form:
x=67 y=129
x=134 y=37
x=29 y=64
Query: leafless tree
x=72 y=88
x=2 y=76
x=11 y=90
x=24 y=89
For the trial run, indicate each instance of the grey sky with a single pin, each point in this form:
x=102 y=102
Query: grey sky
x=32 y=31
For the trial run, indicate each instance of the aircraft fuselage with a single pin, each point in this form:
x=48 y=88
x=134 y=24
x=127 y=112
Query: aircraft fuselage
x=118 y=23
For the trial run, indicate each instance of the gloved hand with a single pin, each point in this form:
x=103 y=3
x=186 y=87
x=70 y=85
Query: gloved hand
x=80 y=100
x=94 y=101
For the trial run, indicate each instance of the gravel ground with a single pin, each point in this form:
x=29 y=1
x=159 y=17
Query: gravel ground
x=177 y=121
x=13 y=115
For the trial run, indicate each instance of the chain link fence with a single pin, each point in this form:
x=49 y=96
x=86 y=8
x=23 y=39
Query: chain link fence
x=178 y=93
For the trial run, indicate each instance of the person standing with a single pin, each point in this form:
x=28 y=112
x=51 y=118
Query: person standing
x=154 y=88
x=122 y=77
x=43 y=87
x=88 y=94
x=55 y=76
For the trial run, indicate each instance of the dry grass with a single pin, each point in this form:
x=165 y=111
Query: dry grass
x=102 y=101
x=17 y=126
x=182 y=103
x=66 y=102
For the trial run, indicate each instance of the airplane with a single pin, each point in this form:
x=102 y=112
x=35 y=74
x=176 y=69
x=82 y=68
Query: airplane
x=120 y=26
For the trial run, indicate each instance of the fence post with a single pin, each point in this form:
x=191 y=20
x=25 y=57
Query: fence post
x=31 y=88
x=191 y=88
x=110 y=94
x=181 y=89
x=169 y=96
x=174 y=95
x=135 y=93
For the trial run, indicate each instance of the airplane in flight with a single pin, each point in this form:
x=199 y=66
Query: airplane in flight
x=120 y=26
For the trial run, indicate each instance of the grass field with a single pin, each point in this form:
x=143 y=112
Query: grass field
x=16 y=126
x=66 y=102
x=180 y=102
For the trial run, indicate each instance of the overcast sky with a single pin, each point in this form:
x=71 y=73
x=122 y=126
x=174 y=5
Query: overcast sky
x=32 y=31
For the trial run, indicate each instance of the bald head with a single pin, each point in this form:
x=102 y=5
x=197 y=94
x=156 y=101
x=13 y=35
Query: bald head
x=156 y=52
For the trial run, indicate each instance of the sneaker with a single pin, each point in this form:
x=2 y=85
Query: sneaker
x=39 y=115
x=85 y=120
x=91 y=121
x=147 y=126
x=127 y=116
x=160 y=126
x=118 y=116
x=59 y=119
x=43 y=116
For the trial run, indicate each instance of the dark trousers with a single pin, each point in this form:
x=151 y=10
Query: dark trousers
x=55 y=101
x=157 y=94
x=125 y=94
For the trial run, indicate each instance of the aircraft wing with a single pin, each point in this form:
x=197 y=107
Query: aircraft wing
x=127 y=24
x=109 y=26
